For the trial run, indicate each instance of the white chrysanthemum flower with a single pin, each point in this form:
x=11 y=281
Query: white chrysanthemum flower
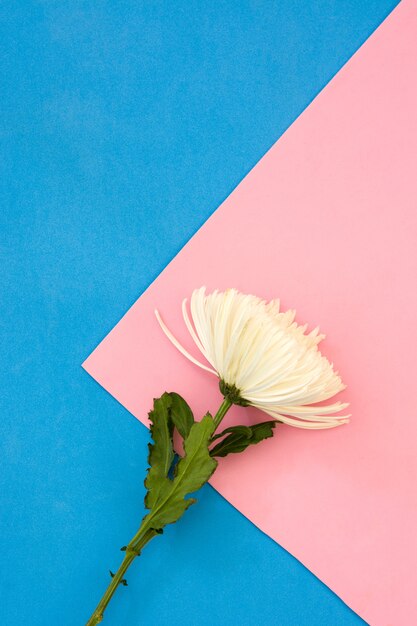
x=262 y=357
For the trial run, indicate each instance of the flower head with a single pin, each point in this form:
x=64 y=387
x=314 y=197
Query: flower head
x=262 y=357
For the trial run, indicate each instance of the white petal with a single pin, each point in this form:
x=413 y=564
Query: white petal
x=179 y=347
x=274 y=362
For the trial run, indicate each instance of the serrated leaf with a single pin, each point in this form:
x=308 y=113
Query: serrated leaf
x=161 y=453
x=181 y=414
x=238 y=438
x=244 y=431
x=192 y=472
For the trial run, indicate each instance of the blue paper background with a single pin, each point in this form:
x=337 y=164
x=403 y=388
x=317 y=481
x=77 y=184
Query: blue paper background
x=123 y=126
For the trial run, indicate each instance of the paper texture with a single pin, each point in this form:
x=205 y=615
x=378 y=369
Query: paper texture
x=327 y=221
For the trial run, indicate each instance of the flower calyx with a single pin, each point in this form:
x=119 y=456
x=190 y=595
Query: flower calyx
x=232 y=393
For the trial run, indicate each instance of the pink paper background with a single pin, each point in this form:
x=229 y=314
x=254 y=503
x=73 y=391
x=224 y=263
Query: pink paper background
x=328 y=222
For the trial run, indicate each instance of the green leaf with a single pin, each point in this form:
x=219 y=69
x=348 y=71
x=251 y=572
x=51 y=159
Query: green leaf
x=238 y=438
x=191 y=473
x=161 y=454
x=244 y=431
x=181 y=414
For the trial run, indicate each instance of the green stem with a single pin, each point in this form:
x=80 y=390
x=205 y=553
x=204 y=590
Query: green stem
x=224 y=407
x=132 y=551
x=141 y=538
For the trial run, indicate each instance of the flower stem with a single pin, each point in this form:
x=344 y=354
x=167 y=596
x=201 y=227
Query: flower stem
x=140 y=539
x=132 y=551
x=224 y=407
